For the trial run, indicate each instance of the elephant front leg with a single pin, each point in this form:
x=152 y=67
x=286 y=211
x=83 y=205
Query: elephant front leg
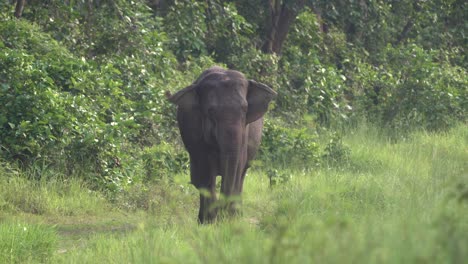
x=204 y=178
x=232 y=191
x=207 y=212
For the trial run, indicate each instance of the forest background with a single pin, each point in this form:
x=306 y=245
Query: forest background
x=83 y=82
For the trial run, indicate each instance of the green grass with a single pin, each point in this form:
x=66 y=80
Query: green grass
x=389 y=202
x=51 y=196
x=22 y=242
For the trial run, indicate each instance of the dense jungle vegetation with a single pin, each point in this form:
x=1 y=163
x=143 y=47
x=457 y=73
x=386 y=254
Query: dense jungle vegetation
x=368 y=129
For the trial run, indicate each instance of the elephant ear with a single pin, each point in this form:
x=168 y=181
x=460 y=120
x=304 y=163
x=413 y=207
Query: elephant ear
x=189 y=116
x=259 y=96
x=186 y=98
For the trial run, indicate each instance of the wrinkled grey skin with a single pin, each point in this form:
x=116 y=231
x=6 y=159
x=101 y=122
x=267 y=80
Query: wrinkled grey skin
x=220 y=119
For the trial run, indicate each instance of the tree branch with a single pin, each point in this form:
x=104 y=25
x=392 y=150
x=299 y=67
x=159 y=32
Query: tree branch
x=404 y=33
x=117 y=9
x=409 y=24
x=19 y=8
x=280 y=20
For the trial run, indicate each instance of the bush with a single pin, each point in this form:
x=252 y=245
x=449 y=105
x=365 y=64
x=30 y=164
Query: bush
x=309 y=87
x=288 y=146
x=186 y=28
x=163 y=161
x=64 y=111
x=38 y=101
x=200 y=28
x=258 y=66
x=336 y=153
x=414 y=89
x=54 y=104
x=229 y=34
x=310 y=79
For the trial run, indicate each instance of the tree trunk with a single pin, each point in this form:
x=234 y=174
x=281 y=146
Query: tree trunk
x=404 y=33
x=280 y=20
x=409 y=24
x=117 y=9
x=19 y=8
x=323 y=27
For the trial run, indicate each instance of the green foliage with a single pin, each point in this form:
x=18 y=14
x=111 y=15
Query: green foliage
x=186 y=27
x=53 y=103
x=82 y=83
x=310 y=80
x=326 y=95
x=366 y=215
x=313 y=88
x=259 y=66
x=285 y=146
x=336 y=153
x=82 y=107
x=54 y=194
x=366 y=24
x=69 y=112
x=22 y=242
x=229 y=34
x=163 y=161
x=212 y=27
x=305 y=32
x=278 y=177
x=416 y=89
x=37 y=100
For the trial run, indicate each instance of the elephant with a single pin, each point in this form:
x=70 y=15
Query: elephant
x=220 y=119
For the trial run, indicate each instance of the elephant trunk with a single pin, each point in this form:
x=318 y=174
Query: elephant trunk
x=230 y=139
x=230 y=167
x=229 y=171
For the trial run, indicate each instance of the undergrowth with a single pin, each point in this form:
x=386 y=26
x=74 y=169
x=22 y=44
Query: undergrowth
x=378 y=205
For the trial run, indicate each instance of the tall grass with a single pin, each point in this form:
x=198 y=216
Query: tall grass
x=52 y=195
x=22 y=242
x=390 y=202
x=403 y=201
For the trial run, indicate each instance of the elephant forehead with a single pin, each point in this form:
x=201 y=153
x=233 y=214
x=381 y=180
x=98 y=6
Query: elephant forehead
x=223 y=97
x=223 y=87
x=224 y=80
x=222 y=75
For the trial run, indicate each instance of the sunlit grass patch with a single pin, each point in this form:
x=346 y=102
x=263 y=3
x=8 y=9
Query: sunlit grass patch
x=26 y=243
x=54 y=196
x=392 y=202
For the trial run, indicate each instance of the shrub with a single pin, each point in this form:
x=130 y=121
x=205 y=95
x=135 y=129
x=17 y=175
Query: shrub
x=310 y=79
x=286 y=146
x=50 y=99
x=277 y=177
x=37 y=102
x=414 y=89
x=200 y=28
x=309 y=87
x=229 y=34
x=163 y=160
x=186 y=28
x=336 y=153
x=259 y=66
x=61 y=109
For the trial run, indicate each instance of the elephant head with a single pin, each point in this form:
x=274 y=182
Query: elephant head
x=220 y=121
